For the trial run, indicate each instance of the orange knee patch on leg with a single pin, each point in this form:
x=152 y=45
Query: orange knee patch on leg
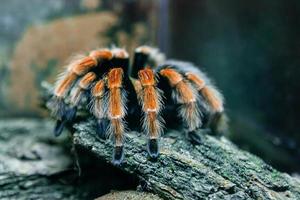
x=146 y=77
x=84 y=65
x=184 y=90
x=212 y=99
x=186 y=93
x=98 y=89
x=115 y=77
x=149 y=97
x=199 y=83
x=173 y=76
x=64 y=86
x=87 y=80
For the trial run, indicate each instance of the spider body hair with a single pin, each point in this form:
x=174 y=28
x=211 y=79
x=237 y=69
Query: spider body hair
x=185 y=96
x=98 y=107
x=77 y=68
x=82 y=86
x=212 y=101
x=151 y=101
x=69 y=113
x=116 y=111
x=100 y=93
x=118 y=94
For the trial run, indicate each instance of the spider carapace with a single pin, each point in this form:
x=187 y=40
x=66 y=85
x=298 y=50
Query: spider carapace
x=152 y=88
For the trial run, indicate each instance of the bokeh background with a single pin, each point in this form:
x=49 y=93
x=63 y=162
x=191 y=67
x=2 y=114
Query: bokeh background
x=250 y=48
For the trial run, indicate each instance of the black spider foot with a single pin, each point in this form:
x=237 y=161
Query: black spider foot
x=118 y=155
x=68 y=116
x=59 y=127
x=71 y=113
x=195 y=137
x=101 y=128
x=153 y=148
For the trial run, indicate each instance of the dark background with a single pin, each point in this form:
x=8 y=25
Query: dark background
x=251 y=49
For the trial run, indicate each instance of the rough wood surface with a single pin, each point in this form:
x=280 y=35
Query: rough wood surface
x=216 y=169
x=129 y=195
x=36 y=165
x=33 y=164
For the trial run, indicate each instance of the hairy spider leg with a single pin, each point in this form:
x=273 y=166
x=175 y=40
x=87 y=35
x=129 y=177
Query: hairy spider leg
x=80 y=91
x=77 y=94
x=218 y=120
x=78 y=68
x=82 y=86
x=98 y=107
x=211 y=101
x=121 y=59
x=209 y=93
x=151 y=101
x=116 y=111
x=184 y=95
x=66 y=81
x=99 y=100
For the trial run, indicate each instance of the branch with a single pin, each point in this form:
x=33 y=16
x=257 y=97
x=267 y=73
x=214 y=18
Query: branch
x=216 y=169
x=32 y=165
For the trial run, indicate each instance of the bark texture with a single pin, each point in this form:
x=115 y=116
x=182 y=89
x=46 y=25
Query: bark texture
x=36 y=165
x=33 y=164
x=216 y=169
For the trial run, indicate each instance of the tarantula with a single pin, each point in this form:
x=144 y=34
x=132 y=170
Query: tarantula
x=118 y=96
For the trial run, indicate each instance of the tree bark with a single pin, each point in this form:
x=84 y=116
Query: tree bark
x=36 y=165
x=33 y=164
x=216 y=169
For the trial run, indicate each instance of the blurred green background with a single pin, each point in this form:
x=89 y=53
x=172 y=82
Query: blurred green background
x=250 y=48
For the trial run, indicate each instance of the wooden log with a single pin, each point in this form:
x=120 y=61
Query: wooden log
x=36 y=165
x=216 y=169
x=33 y=164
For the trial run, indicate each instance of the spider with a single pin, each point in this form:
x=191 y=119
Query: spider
x=117 y=95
